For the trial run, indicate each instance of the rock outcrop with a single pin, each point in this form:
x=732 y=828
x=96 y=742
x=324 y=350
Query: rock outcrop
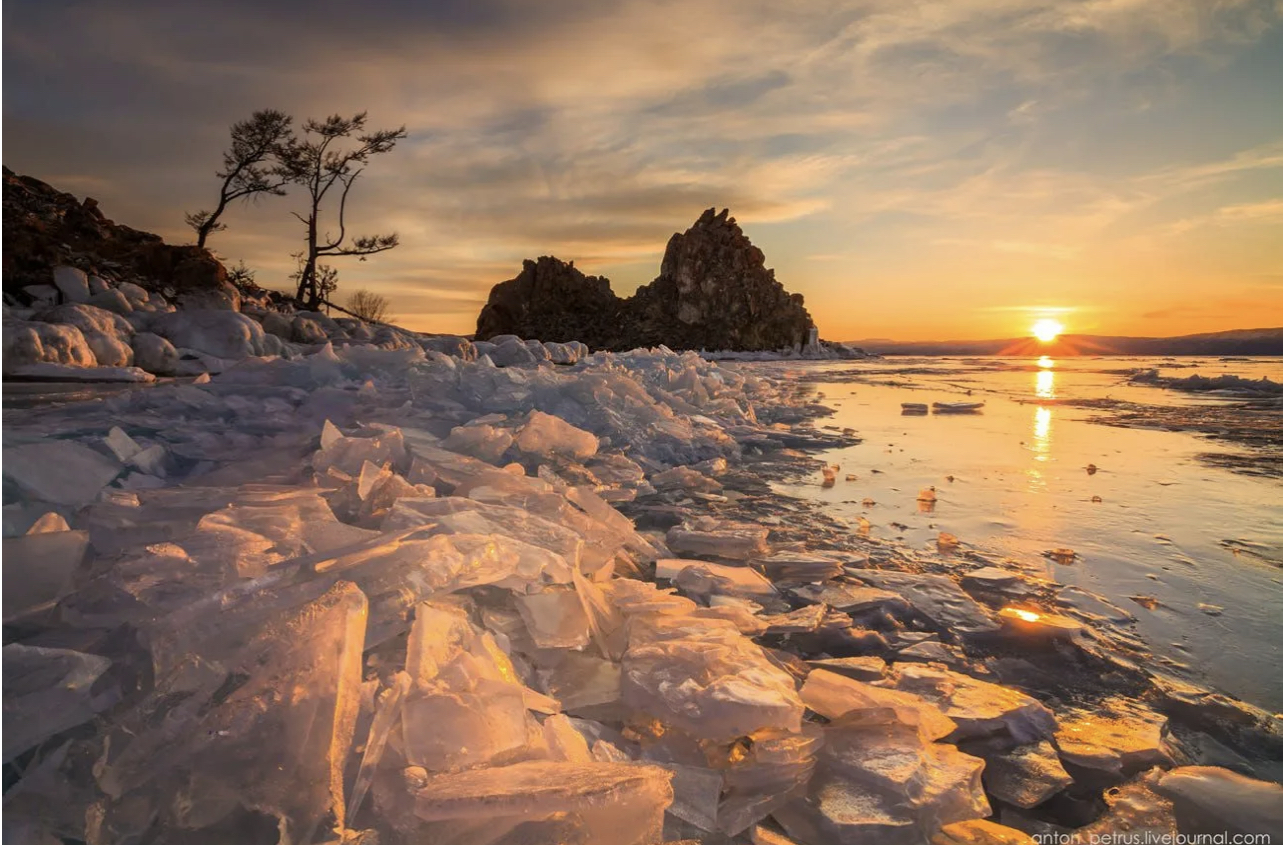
x=714 y=292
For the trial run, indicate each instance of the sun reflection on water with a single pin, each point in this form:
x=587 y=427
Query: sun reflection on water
x=1045 y=384
x=1046 y=362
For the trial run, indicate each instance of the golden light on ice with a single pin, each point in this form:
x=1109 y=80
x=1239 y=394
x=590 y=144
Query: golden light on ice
x=1046 y=330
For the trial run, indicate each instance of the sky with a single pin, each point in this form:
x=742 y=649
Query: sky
x=917 y=170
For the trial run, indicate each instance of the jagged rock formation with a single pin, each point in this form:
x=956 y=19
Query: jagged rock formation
x=713 y=292
x=551 y=299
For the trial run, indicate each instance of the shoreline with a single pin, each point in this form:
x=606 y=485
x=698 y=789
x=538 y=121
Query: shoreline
x=633 y=463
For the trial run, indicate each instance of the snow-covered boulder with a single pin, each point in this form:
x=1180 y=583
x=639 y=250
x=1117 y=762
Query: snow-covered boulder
x=33 y=342
x=112 y=300
x=72 y=283
x=561 y=353
x=222 y=334
x=107 y=334
x=306 y=330
x=513 y=353
x=155 y=354
x=277 y=324
x=452 y=345
x=134 y=293
x=97 y=285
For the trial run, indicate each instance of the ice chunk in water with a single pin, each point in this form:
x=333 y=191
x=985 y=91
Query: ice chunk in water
x=39 y=568
x=59 y=471
x=703 y=676
x=547 y=802
x=977 y=707
x=834 y=696
x=878 y=779
x=719 y=538
x=47 y=690
x=547 y=436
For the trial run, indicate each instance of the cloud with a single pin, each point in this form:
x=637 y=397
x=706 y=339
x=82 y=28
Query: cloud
x=593 y=130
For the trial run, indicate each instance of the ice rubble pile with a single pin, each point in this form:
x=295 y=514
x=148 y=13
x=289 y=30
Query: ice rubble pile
x=383 y=595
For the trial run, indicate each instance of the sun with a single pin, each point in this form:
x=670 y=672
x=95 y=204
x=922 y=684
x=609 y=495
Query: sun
x=1047 y=330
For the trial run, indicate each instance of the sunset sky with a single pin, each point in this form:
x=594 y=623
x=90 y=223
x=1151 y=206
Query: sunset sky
x=918 y=170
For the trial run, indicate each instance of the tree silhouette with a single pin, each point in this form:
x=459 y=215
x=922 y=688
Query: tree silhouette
x=249 y=168
x=319 y=162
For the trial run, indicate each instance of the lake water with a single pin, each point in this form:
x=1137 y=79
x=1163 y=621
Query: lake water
x=1158 y=518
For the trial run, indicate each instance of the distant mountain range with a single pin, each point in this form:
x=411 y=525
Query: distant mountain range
x=1235 y=342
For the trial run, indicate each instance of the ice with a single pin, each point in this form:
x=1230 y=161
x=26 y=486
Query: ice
x=39 y=568
x=1115 y=738
x=466 y=706
x=794 y=568
x=47 y=691
x=484 y=442
x=59 y=471
x=564 y=741
x=387 y=717
x=981 y=832
x=544 y=803
x=936 y=597
x=555 y=618
x=275 y=738
x=51 y=523
x=702 y=578
x=704 y=677
x=851 y=598
x=121 y=444
x=348 y=454
x=719 y=538
x=547 y=437
x=1213 y=800
x=878 y=779
x=1027 y=775
x=977 y=707
x=835 y=696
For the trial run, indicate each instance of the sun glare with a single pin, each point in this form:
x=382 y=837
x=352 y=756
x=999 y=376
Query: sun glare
x=1047 y=330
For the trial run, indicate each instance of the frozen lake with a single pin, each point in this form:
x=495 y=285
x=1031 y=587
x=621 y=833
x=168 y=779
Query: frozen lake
x=1161 y=517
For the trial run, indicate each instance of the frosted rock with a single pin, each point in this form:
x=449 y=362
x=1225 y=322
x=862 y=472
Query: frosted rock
x=703 y=677
x=979 y=708
x=1209 y=799
x=545 y=802
x=72 y=283
x=47 y=691
x=59 y=471
x=878 y=780
x=484 y=442
x=107 y=334
x=936 y=597
x=1116 y=738
x=155 y=354
x=835 y=696
x=255 y=746
x=562 y=353
x=1027 y=775
x=697 y=577
x=27 y=343
x=218 y=333
x=113 y=301
x=547 y=436
x=719 y=538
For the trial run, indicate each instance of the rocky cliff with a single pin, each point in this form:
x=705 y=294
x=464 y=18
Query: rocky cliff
x=714 y=291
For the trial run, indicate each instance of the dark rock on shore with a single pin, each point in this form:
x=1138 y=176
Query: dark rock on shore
x=714 y=292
